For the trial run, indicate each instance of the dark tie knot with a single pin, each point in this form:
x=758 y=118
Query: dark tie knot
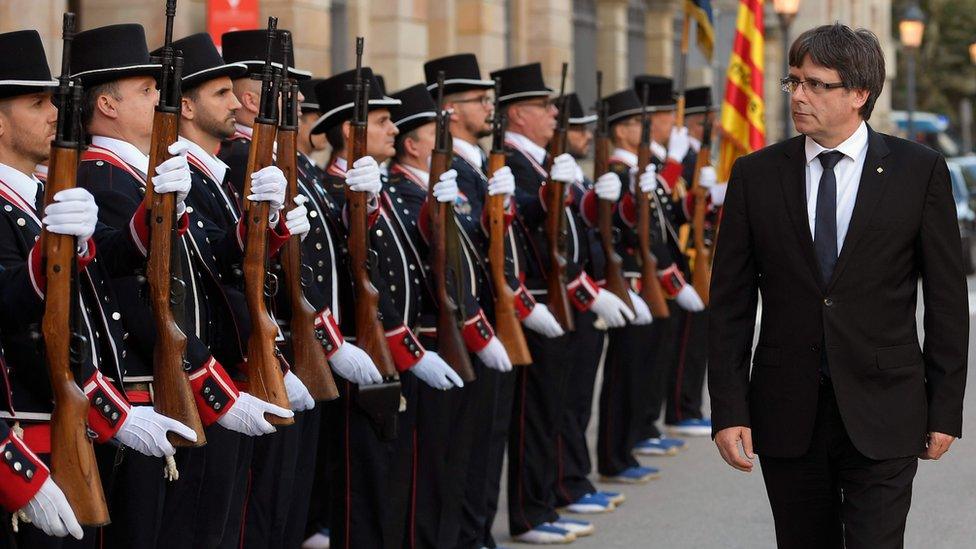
x=829 y=159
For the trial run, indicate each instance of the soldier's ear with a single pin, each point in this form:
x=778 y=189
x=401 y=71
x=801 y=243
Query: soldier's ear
x=345 y=131
x=105 y=104
x=186 y=108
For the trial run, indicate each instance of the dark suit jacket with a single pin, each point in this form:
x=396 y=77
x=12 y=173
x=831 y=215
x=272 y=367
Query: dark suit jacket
x=890 y=391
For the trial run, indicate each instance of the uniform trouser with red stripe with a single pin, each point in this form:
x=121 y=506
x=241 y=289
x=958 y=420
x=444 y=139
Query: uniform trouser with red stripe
x=540 y=390
x=369 y=475
x=686 y=380
x=663 y=354
x=573 y=465
x=318 y=514
x=277 y=488
x=240 y=469
x=627 y=378
x=201 y=499
x=483 y=483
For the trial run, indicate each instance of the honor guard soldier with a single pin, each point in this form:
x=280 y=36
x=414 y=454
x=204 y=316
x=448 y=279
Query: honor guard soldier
x=540 y=389
x=27 y=119
x=573 y=489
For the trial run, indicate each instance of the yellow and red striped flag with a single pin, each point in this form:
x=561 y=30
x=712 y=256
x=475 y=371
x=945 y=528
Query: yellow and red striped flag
x=743 y=123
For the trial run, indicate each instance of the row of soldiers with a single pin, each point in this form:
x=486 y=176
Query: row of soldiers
x=344 y=473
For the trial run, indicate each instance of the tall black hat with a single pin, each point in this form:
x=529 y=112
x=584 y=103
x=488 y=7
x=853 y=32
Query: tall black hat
x=307 y=87
x=416 y=108
x=521 y=82
x=201 y=61
x=577 y=116
x=335 y=96
x=461 y=73
x=250 y=47
x=698 y=100
x=23 y=65
x=381 y=83
x=621 y=105
x=660 y=96
x=111 y=53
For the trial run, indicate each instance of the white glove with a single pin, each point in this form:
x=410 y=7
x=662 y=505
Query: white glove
x=268 y=185
x=354 y=365
x=612 y=309
x=540 y=320
x=296 y=220
x=647 y=182
x=689 y=300
x=495 y=357
x=502 y=182
x=708 y=179
x=298 y=396
x=607 y=187
x=364 y=177
x=678 y=144
x=446 y=189
x=173 y=175
x=144 y=431
x=642 y=313
x=563 y=168
x=73 y=213
x=246 y=416
x=49 y=510
x=432 y=370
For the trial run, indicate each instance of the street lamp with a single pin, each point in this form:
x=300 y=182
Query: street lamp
x=786 y=11
x=911 y=27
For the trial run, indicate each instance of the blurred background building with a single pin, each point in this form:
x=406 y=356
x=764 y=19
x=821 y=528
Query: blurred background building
x=620 y=37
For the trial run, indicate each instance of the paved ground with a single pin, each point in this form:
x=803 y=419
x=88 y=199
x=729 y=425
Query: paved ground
x=700 y=502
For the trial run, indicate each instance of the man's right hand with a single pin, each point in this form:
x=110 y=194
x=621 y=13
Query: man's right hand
x=728 y=440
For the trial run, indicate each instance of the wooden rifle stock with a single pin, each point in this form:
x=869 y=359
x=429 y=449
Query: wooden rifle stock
x=264 y=377
x=508 y=329
x=701 y=277
x=73 y=464
x=555 y=223
x=613 y=270
x=651 y=291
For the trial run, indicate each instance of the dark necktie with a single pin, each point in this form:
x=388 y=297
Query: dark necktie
x=825 y=234
x=39 y=197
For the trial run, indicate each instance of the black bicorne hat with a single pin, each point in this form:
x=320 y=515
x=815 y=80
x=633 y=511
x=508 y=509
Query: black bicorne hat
x=698 y=100
x=660 y=96
x=621 y=105
x=307 y=87
x=23 y=65
x=201 y=61
x=335 y=97
x=250 y=47
x=111 y=53
x=520 y=83
x=461 y=73
x=577 y=116
x=416 y=108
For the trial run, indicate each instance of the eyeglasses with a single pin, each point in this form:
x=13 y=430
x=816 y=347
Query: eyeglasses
x=812 y=85
x=542 y=104
x=484 y=100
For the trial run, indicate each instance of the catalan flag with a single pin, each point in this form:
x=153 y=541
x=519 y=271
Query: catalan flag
x=743 y=124
x=701 y=10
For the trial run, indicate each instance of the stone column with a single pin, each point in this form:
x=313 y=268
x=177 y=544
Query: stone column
x=480 y=30
x=397 y=41
x=442 y=28
x=548 y=28
x=611 y=28
x=659 y=25
x=310 y=24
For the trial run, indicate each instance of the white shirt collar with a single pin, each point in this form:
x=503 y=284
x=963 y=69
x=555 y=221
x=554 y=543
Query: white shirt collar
x=469 y=151
x=628 y=157
x=124 y=150
x=341 y=163
x=308 y=158
x=25 y=185
x=41 y=169
x=214 y=164
x=851 y=147
x=538 y=153
x=423 y=176
x=246 y=130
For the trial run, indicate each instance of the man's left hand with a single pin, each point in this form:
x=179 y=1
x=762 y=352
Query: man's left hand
x=937 y=445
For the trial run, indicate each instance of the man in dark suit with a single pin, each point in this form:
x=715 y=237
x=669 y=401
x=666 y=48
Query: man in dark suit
x=836 y=227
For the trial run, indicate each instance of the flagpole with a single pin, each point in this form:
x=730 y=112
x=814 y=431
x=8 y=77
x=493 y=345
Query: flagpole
x=681 y=82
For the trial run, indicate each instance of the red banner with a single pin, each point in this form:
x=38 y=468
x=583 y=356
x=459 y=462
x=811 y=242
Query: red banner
x=230 y=15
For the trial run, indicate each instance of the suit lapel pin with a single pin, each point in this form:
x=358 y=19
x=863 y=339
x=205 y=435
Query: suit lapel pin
x=880 y=169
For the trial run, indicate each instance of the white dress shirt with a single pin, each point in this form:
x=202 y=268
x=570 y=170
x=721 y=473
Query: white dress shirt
x=535 y=151
x=24 y=185
x=128 y=152
x=848 y=174
x=216 y=166
x=469 y=151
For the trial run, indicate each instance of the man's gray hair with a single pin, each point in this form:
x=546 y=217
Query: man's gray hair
x=855 y=54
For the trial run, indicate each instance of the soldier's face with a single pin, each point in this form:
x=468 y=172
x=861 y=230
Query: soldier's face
x=828 y=114
x=133 y=108
x=27 y=124
x=213 y=107
x=305 y=123
x=696 y=125
x=472 y=109
x=381 y=133
x=627 y=132
x=422 y=142
x=536 y=118
x=661 y=124
x=579 y=138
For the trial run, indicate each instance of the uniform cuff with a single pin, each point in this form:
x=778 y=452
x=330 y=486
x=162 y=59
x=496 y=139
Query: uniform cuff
x=582 y=291
x=21 y=473
x=327 y=330
x=213 y=390
x=588 y=208
x=524 y=302
x=671 y=172
x=108 y=408
x=477 y=332
x=404 y=347
x=672 y=281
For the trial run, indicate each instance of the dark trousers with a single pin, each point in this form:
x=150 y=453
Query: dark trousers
x=483 y=481
x=573 y=465
x=628 y=375
x=240 y=468
x=280 y=483
x=369 y=476
x=835 y=497
x=538 y=407
x=318 y=514
x=213 y=509
x=686 y=379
